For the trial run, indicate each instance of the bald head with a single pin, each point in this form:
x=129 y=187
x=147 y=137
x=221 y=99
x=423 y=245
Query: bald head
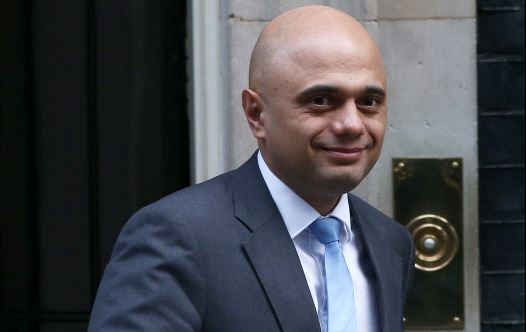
x=309 y=28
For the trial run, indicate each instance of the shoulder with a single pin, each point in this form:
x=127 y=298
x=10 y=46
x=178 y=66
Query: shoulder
x=200 y=198
x=210 y=200
x=380 y=223
x=179 y=220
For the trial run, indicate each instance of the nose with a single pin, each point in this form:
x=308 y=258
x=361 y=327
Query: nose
x=348 y=121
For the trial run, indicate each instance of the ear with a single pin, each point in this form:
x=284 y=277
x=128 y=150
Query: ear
x=253 y=106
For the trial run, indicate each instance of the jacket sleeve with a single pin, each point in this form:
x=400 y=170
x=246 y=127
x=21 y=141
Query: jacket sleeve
x=153 y=281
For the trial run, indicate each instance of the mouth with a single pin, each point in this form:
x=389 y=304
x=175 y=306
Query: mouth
x=344 y=154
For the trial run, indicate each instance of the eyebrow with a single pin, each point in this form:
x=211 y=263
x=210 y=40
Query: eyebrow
x=326 y=88
x=318 y=88
x=375 y=90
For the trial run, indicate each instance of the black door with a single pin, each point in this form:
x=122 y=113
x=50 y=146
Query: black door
x=501 y=163
x=93 y=125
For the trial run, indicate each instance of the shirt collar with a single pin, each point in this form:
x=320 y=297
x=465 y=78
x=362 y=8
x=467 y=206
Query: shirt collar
x=296 y=213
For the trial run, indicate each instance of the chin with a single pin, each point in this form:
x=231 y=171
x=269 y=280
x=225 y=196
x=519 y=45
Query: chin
x=342 y=183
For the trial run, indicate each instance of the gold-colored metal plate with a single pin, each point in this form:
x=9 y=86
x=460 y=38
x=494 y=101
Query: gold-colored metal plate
x=428 y=201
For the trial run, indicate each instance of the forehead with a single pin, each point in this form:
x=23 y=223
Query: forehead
x=336 y=49
x=331 y=59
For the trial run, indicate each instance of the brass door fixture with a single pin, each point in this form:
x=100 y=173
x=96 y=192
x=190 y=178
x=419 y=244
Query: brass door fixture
x=436 y=242
x=428 y=201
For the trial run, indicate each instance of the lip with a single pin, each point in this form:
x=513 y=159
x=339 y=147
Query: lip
x=344 y=154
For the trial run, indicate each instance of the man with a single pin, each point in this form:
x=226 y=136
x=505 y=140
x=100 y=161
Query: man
x=249 y=250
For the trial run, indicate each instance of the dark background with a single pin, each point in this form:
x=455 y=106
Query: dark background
x=501 y=163
x=94 y=125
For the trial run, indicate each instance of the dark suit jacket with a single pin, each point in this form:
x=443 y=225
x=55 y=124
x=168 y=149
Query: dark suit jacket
x=217 y=257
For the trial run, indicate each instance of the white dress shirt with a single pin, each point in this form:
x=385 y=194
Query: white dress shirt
x=298 y=215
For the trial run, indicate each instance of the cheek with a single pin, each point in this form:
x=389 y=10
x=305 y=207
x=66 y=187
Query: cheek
x=314 y=127
x=376 y=128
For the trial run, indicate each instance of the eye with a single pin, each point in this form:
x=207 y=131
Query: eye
x=320 y=101
x=369 y=101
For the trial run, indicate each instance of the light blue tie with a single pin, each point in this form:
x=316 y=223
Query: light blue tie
x=339 y=288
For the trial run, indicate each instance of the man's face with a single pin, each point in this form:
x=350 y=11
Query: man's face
x=323 y=115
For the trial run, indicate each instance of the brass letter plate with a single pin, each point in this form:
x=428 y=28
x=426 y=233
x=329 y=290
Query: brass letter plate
x=428 y=201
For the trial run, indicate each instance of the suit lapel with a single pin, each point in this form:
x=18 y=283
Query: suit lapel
x=387 y=265
x=271 y=251
x=276 y=263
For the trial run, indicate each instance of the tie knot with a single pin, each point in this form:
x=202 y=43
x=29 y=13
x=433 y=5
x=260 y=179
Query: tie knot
x=326 y=230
